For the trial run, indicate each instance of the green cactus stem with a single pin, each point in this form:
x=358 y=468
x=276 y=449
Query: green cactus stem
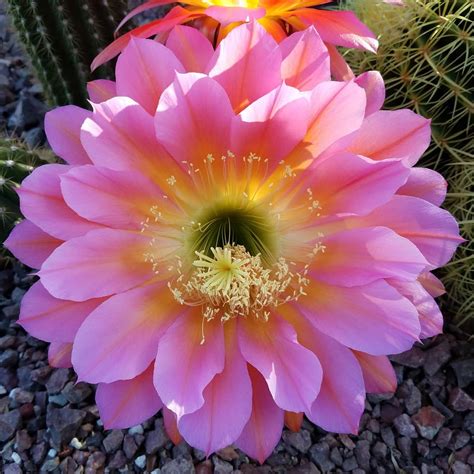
x=62 y=37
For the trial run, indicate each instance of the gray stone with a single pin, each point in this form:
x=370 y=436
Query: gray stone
x=459 y=400
x=8 y=358
x=21 y=396
x=155 y=440
x=300 y=440
x=117 y=461
x=221 y=466
x=362 y=453
x=404 y=426
x=23 y=440
x=413 y=358
x=444 y=437
x=57 y=381
x=64 y=423
x=180 y=466
x=459 y=467
x=77 y=393
x=380 y=450
x=464 y=370
x=29 y=112
x=113 y=441
x=468 y=423
x=50 y=465
x=388 y=436
x=96 y=461
x=319 y=454
x=436 y=357
x=411 y=396
x=129 y=446
x=349 y=464
x=9 y=423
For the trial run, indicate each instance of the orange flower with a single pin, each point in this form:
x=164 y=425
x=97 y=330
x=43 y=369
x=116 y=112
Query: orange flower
x=215 y=18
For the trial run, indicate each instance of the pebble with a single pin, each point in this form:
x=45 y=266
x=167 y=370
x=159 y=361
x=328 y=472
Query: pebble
x=140 y=461
x=464 y=370
x=9 y=423
x=155 y=440
x=404 y=426
x=428 y=421
x=113 y=441
x=459 y=400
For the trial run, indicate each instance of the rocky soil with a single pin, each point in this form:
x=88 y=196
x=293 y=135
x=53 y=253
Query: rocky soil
x=48 y=423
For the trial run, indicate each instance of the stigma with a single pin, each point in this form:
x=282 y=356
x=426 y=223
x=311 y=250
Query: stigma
x=232 y=283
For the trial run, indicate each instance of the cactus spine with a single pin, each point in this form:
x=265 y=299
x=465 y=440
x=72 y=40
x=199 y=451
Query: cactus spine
x=17 y=161
x=426 y=59
x=62 y=37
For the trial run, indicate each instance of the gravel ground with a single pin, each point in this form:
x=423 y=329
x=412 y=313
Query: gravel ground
x=50 y=424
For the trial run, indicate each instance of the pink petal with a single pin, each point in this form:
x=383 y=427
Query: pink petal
x=119 y=199
x=341 y=400
x=359 y=256
x=372 y=83
x=292 y=372
x=194 y=118
x=354 y=184
x=226 y=15
x=127 y=403
x=338 y=109
x=393 y=134
x=432 y=284
x=431 y=319
x=62 y=127
x=425 y=184
x=226 y=410
x=118 y=341
x=373 y=318
x=144 y=70
x=101 y=90
x=30 y=244
x=433 y=230
x=247 y=64
x=305 y=60
x=51 y=319
x=340 y=70
x=42 y=203
x=185 y=365
x=191 y=47
x=341 y=28
x=263 y=430
x=272 y=126
x=59 y=355
x=379 y=376
x=100 y=263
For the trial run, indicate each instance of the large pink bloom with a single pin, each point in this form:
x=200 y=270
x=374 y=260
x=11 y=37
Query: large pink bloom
x=234 y=237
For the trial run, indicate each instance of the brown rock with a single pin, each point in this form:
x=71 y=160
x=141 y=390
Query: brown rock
x=428 y=422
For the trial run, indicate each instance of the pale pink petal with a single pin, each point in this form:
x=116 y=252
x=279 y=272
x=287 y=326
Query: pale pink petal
x=127 y=403
x=121 y=135
x=425 y=184
x=226 y=15
x=350 y=183
x=431 y=319
x=118 y=340
x=399 y=134
x=433 y=230
x=341 y=28
x=340 y=70
x=42 y=203
x=341 y=400
x=144 y=70
x=59 y=355
x=379 y=376
x=119 y=199
x=263 y=430
x=359 y=256
x=337 y=109
x=226 y=409
x=432 y=284
x=171 y=425
x=62 y=127
x=100 y=263
x=292 y=372
x=191 y=47
x=101 y=90
x=194 y=118
x=30 y=244
x=247 y=64
x=186 y=363
x=272 y=126
x=372 y=83
x=305 y=60
x=373 y=318
x=51 y=319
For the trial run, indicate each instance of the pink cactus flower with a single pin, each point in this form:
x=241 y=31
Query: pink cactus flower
x=235 y=239
x=216 y=18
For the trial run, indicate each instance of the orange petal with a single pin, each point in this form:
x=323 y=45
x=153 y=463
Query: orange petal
x=293 y=420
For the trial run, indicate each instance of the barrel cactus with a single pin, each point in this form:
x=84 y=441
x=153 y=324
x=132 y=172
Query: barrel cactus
x=425 y=57
x=16 y=163
x=62 y=37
